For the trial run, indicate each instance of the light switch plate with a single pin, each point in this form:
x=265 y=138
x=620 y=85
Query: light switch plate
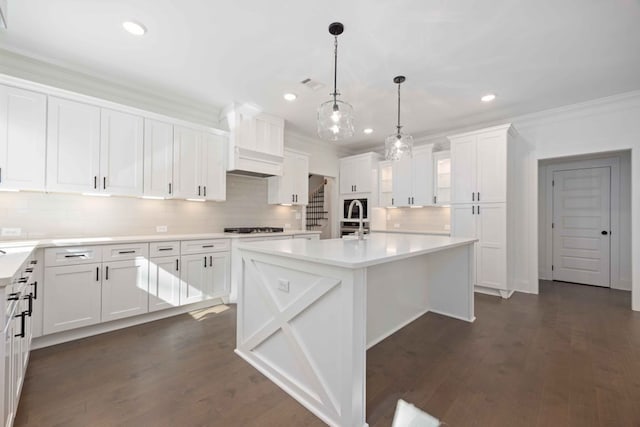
x=283 y=285
x=6 y=231
x=287 y=226
x=161 y=228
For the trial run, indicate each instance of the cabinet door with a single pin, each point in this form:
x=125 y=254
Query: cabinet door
x=8 y=382
x=362 y=175
x=217 y=276
x=422 y=177
x=73 y=146
x=164 y=283
x=491 y=172
x=214 y=172
x=158 y=158
x=347 y=174
x=187 y=163
x=463 y=221
x=125 y=288
x=121 y=153
x=491 y=256
x=269 y=134
x=301 y=180
x=23 y=123
x=193 y=278
x=71 y=297
x=402 y=181
x=442 y=177
x=463 y=169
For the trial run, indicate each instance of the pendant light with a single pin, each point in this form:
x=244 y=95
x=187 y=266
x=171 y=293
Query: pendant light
x=399 y=144
x=335 y=117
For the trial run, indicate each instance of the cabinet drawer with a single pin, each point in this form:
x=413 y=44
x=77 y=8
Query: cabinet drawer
x=123 y=252
x=72 y=255
x=160 y=249
x=199 y=246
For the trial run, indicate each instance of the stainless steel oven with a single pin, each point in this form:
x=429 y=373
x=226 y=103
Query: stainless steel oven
x=355 y=214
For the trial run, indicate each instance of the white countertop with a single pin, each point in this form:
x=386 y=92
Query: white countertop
x=376 y=249
x=425 y=232
x=12 y=261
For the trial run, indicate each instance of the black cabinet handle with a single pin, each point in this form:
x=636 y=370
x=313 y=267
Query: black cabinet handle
x=473 y=197
x=473 y=210
x=355 y=187
x=22 y=324
x=207 y=246
x=169 y=188
x=205 y=262
x=210 y=261
x=478 y=210
x=35 y=290
x=106 y=273
x=29 y=299
x=198 y=190
x=126 y=252
x=14 y=296
x=28 y=270
x=165 y=249
x=75 y=256
x=205 y=191
x=34 y=262
x=177 y=264
x=95 y=182
x=478 y=196
x=22 y=280
x=604 y=233
x=293 y=198
x=434 y=200
x=2 y=252
x=97 y=274
x=104 y=182
x=392 y=201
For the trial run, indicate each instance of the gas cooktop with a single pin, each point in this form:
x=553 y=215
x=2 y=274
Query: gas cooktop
x=247 y=230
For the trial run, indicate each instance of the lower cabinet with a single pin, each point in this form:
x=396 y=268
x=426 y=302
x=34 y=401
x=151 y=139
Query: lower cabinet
x=125 y=288
x=72 y=297
x=164 y=283
x=204 y=276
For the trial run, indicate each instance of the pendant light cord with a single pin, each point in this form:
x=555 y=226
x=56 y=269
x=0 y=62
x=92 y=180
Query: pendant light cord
x=335 y=71
x=399 y=127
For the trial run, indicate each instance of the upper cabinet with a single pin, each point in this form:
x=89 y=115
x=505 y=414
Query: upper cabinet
x=121 y=153
x=413 y=178
x=442 y=177
x=158 y=158
x=292 y=188
x=23 y=123
x=73 y=146
x=358 y=174
x=479 y=167
x=385 y=183
x=199 y=171
x=256 y=142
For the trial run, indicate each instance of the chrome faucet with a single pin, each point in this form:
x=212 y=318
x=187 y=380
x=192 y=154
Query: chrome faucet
x=360 y=233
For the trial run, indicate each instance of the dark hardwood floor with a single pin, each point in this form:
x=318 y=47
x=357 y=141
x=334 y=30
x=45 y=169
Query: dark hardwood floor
x=568 y=357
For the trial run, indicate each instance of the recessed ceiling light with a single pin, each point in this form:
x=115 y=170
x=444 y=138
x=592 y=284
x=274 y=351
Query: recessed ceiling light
x=134 y=28
x=368 y=131
x=488 y=97
x=290 y=96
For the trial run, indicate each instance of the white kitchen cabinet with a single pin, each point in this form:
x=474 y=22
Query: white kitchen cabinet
x=121 y=153
x=293 y=186
x=385 y=184
x=358 y=174
x=442 y=177
x=36 y=290
x=158 y=158
x=125 y=289
x=199 y=171
x=72 y=296
x=204 y=276
x=479 y=167
x=256 y=142
x=413 y=178
x=23 y=124
x=73 y=146
x=164 y=283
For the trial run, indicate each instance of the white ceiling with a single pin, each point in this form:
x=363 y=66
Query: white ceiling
x=533 y=54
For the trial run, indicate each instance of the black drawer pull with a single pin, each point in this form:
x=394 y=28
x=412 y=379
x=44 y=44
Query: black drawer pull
x=106 y=274
x=22 y=280
x=165 y=249
x=177 y=264
x=3 y=252
x=76 y=256
x=207 y=246
x=22 y=324
x=28 y=270
x=35 y=290
x=126 y=252
x=205 y=262
x=34 y=261
x=210 y=261
x=14 y=296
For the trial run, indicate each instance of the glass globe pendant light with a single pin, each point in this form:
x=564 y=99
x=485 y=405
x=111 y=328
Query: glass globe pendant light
x=398 y=144
x=335 y=117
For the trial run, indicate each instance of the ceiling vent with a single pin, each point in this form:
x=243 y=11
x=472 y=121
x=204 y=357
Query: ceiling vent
x=312 y=84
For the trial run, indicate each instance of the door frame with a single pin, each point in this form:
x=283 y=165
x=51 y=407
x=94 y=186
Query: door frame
x=614 y=164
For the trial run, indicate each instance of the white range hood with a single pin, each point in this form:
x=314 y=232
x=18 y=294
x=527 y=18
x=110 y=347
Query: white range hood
x=256 y=141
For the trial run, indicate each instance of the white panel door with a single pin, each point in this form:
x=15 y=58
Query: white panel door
x=23 y=124
x=194 y=277
x=362 y=175
x=216 y=282
x=422 y=177
x=187 y=163
x=121 y=153
x=491 y=254
x=125 y=289
x=582 y=226
x=347 y=175
x=463 y=169
x=73 y=146
x=491 y=174
x=71 y=297
x=402 y=181
x=214 y=172
x=158 y=158
x=463 y=221
x=164 y=283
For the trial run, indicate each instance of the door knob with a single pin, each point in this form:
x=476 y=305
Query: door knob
x=604 y=233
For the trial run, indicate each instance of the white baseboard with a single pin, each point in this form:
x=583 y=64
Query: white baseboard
x=101 y=328
x=493 y=292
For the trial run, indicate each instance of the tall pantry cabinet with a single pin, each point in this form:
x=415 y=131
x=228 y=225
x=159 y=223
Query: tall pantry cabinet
x=488 y=183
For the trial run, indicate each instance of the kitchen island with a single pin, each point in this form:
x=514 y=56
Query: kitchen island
x=309 y=310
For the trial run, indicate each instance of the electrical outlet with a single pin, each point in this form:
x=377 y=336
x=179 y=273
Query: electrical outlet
x=396 y=225
x=287 y=226
x=447 y=227
x=283 y=285
x=161 y=228
x=6 y=231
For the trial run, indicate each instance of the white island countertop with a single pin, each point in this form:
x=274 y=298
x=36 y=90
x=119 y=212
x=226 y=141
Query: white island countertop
x=376 y=249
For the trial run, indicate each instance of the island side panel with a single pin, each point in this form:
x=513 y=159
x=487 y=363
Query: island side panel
x=302 y=324
x=450 y=284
